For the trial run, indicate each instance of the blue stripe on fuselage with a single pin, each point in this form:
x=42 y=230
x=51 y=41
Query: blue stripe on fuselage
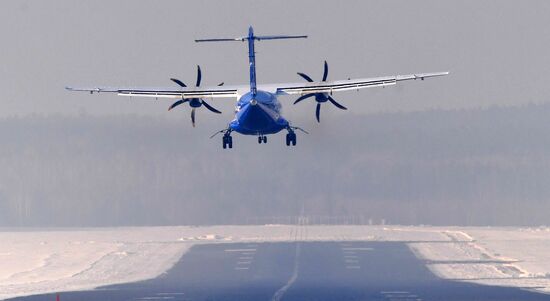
x=258 y=115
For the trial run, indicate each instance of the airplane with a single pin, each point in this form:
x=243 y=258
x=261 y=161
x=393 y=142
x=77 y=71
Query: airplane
x=258 y=111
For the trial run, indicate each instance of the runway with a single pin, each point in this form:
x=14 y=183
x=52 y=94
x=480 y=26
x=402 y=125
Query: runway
x=298 y=271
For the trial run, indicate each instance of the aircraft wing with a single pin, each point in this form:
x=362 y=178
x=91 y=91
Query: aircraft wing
x=176 y=93
x=345 y=85
x=279 y=89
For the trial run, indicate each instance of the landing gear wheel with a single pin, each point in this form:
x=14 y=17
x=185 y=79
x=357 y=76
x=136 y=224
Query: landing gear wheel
x=227 y=141
x=291 y=138
x=265 y=139
x=260 y=139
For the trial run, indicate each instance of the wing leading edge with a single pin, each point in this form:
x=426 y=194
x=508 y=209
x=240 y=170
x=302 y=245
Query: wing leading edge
x=206 y=92
x=346 y=85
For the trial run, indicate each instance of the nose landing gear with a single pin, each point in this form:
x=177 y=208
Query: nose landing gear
x=262 y=139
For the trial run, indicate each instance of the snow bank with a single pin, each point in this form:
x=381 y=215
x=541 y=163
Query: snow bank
x=34 y=262
x=492 y=256
x=52 y=261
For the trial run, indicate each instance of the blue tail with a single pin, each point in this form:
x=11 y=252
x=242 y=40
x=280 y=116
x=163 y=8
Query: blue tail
x=252 y=61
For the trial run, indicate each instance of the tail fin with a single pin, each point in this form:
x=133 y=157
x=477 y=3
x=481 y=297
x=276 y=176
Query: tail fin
x=251 y=53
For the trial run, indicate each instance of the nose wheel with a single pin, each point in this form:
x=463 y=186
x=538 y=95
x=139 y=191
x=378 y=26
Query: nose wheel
x=262 y=139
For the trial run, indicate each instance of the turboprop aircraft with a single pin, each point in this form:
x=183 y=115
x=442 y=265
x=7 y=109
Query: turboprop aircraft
x=258 y=111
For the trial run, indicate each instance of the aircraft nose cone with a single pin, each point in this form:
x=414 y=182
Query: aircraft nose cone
x=253 y=102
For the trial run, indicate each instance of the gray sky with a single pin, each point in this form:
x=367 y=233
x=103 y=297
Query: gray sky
x=497 y=51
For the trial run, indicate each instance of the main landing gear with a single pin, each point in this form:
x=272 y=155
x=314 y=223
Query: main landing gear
x=227 y=140
x=262 y=139
x=290 y=137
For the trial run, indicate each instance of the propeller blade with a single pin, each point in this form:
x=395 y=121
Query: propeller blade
x=304 y=97
x=305 y=77
x=220 y=84
x=209 y=107
x=199 y=76
x=318 y=112
x=325 y=72
x=177 y=103
x=336 y=103
x=179 y=82
x=193 y=117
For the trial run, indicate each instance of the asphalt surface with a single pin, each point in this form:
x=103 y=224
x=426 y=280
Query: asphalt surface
x=298 y=271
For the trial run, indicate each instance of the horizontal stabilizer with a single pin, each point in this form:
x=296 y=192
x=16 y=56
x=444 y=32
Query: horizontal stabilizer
x=257 y=38
x=222 y=40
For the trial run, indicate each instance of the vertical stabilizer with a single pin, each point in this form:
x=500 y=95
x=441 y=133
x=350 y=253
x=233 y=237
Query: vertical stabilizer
x=252 y=61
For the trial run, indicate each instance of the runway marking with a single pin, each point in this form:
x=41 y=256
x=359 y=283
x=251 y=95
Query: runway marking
x=245 y=258
x=400 y=296
x=244 y=262
x=351 y=261
x=247 y=253
x=280 y=293
x=169 y=294
x=353 y=267
x=357 y=249
x=351 y=256
x=241 y=268
x=240 y=250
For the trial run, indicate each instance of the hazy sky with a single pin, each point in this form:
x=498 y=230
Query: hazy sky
x=497 y=51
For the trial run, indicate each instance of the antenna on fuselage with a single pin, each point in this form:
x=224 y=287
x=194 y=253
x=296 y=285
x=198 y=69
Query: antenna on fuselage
x=250 y=38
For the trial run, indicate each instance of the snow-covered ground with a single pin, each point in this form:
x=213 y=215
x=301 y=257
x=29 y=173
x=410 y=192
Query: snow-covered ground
x=33 y=262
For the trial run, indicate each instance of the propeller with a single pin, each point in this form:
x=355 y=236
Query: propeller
x=319 y=97
x=194 y=103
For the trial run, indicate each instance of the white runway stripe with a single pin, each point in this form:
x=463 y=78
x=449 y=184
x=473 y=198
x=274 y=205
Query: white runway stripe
x=240 y=250
x=280 y=293
x=243 y=262
x=353 y=267
x=357 y=249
